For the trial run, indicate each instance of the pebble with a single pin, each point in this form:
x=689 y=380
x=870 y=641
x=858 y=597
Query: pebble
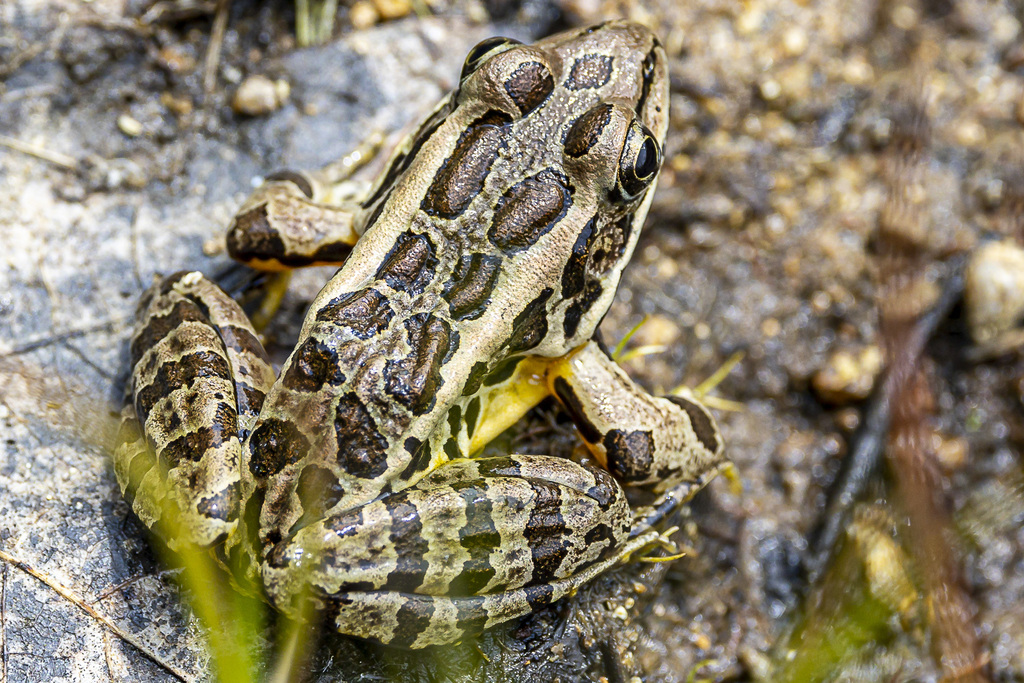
x=904 y=17
x=658 y=330
x=363 y=15
x=951 y=453
x=994 y=290
x=258 y=95
x=392 y=9
x=970 y=133
x=182 y=106
x=770 y=89
x=857 y=70
x=795 y=82
x=1006 y=29
x=848 y=376
x=794 y=41
x=129 y=126
x=176 y=60
x=848 y=419
x=750 y=21
x=770 y=327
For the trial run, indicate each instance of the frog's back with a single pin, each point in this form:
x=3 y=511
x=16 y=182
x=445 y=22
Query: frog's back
x=499 y=229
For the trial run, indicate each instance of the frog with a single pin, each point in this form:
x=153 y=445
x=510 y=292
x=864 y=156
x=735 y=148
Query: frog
x=471 y=281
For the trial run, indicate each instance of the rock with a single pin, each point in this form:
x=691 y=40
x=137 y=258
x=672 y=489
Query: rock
x=258 y=95
x=994 y=290
x=848 y=377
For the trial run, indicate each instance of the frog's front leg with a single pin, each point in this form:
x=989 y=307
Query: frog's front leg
x=475 y=543
x=649 y=442
x=656 y=443
x=199 y=376
x=294 y=219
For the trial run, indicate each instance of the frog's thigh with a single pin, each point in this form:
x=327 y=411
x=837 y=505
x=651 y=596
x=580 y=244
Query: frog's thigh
x=475 y=543
x=655 y=442
x=199 y=375
x=289 y=222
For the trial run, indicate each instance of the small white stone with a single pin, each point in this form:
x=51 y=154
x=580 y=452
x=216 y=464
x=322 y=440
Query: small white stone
x=129 y=126
x=770 y=89
x=994 y=290
x=904 y=17
x=794 y=41
x=258 y=95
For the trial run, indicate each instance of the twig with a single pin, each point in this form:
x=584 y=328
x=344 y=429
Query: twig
x=3 y=622
x=56 y=339
x=106 y=593
x=56 y=158
x=173 y=12
x=904 y=255
x=868 y=444
x=68 y=595
x=220 y=25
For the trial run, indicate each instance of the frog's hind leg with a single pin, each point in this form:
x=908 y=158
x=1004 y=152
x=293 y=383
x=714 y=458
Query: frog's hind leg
x=198 y=379
x=415 y=621
x=663 y=445
x=474 y=543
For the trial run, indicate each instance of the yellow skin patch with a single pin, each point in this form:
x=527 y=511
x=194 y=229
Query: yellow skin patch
x=506 y=406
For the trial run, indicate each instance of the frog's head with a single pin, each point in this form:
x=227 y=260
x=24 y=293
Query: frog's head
x=590 y=109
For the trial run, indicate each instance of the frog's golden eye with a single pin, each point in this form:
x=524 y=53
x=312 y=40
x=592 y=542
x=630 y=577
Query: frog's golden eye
x=483 y=51
x=640 y=161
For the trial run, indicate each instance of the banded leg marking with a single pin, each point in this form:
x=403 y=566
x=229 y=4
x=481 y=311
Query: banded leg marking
x=199 y=376
x=645 y=441
x=530 y=529
x=416 y=621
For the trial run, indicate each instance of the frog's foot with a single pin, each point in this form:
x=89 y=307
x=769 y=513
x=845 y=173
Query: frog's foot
x=649 y=517
x=199 y=376
x=288 y=222
x=657 y=443
x=474 y=543
x=294 y=219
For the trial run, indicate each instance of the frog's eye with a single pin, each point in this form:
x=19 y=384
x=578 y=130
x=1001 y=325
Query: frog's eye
x=640 y=161
x=483 y=51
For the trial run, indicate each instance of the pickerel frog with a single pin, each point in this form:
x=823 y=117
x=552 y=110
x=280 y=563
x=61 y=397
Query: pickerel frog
x=472 y=280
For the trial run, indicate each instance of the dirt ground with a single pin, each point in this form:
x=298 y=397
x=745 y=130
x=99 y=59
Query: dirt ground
x=118 y=163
